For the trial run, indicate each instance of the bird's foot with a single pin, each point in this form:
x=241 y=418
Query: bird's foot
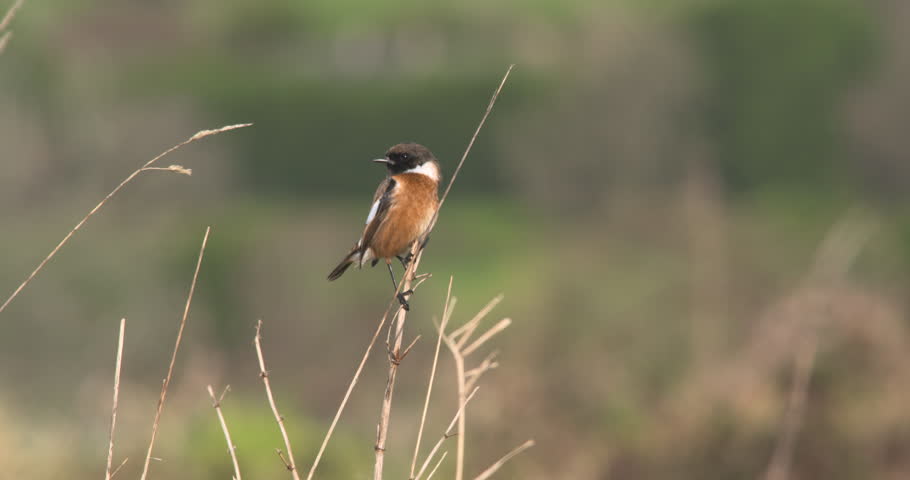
x=402 y=299
x=405 y=260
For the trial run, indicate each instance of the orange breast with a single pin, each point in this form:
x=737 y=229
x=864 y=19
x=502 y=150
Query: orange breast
x=414 y=201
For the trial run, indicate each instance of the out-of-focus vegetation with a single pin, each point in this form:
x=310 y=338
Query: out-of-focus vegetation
x=650 y=194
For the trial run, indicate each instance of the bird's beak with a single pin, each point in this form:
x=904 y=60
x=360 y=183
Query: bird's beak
x=382 y=160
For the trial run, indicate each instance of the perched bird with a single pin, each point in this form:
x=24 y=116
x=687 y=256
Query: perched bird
x=403 y=207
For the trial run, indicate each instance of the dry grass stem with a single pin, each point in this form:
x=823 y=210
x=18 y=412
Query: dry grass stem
x=264 y=374
x=473 y=376
x=447 y=434
x=467 y=150
x=114 y=473
x=433 y=471
x=170 y=369
x=459 y=353
x=500 y=326
x=499 y=463
x=347 y=393
x=462 y=385
x=197 y=136
x=395 y=358
x=426 y=403
x=216 y=403
x=466 y=330
x=110 y=448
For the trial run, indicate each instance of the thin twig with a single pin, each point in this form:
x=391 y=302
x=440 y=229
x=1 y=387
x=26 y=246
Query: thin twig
x=471 y=143
x=447 y=434
x=347 y=394
x=216 y=403
x=502 y=325
x=170 y=368
x=473 y=375
x=426 y=402
x=110 y=447
x=197 y=136
x=433 y=471
x=268 y=390
x=499 y=463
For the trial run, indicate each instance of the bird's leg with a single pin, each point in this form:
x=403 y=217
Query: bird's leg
x=401 y=296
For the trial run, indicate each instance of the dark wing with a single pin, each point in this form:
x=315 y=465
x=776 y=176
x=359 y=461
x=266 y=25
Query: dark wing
x=382 y=200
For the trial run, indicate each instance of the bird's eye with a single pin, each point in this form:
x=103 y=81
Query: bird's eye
x=405 y=156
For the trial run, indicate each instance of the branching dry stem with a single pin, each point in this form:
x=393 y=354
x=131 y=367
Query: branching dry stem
x=216 y=403
x=466 y=380
x=264 y=374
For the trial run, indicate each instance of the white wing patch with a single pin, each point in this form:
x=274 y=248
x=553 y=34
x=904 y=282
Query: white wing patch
x=373 y=211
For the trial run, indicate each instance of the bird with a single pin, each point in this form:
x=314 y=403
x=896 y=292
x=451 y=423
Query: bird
x=403 y=208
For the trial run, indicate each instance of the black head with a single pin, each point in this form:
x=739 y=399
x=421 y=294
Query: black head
x=406 y=156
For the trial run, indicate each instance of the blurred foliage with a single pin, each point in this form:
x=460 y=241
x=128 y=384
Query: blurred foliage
x=650 y=194
x=777 y=72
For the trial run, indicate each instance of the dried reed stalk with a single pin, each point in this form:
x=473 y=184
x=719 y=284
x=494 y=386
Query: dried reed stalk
x=147 y=167
x=459 y=353
x=446 y=435
x=170 y=368
x=264 y=374
x=216 y=403
x=446 y=313
x=110 y=446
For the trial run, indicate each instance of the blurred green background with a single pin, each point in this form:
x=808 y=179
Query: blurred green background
x=675 y=198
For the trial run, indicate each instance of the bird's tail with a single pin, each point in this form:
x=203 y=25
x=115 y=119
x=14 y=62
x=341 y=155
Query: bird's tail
x=348 y=260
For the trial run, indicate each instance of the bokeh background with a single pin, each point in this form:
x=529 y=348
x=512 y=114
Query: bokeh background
x=677 y=199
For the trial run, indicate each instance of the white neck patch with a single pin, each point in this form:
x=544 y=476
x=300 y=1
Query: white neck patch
x=430 y=169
